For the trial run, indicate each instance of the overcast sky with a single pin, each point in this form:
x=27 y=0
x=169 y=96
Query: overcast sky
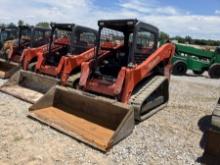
x=197 y=18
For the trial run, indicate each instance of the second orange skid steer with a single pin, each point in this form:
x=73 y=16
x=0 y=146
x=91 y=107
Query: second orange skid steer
x=127 y=80
x=57 y=62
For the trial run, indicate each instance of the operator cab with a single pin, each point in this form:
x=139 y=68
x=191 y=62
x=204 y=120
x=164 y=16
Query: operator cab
x=72 y=39
x=40 y=36
x=27 y=36
x=126 y=43
x=30 y=36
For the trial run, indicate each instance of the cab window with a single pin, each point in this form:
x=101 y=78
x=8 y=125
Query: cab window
x=88 y=37
x=145 y=42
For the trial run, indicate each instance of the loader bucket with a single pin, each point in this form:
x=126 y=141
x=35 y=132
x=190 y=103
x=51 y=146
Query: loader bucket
x=94 y=120
x=7 y=69
x=213 y=143
x=213 y=133
x=28 y=86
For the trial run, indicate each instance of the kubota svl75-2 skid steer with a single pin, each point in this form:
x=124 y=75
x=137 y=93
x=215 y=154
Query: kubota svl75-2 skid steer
x=63 y=64
x=127 y=80
x=59 y=61
x=12 y=50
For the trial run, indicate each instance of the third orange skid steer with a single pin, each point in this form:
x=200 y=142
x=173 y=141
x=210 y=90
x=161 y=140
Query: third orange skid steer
x=10 y=56
x=57 y=62
x=127 y=80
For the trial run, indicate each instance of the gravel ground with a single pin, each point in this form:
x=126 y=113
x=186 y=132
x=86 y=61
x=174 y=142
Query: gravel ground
x=172 y=136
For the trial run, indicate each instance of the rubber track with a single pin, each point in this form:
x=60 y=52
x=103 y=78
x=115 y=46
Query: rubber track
x=216 y=117
x=144 y=92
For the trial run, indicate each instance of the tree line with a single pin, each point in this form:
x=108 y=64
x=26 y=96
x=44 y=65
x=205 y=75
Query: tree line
x=189 y=40
x=21 y=22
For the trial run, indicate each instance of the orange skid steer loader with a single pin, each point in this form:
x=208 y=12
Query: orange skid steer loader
x=58 y=62
x=127 y=80
x=10 y=57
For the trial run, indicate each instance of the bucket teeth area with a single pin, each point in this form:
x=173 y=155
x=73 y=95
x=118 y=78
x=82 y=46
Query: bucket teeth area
x=28 y=86
x=7 y=69
x=23 y=93
x=94 y=120
x=76 y=124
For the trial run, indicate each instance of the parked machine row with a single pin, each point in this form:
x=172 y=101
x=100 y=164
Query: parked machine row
x=11 y=52
x=56 y=62
x=93 y=85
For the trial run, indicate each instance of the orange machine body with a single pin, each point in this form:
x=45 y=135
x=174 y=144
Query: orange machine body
x=128 y=77
x=35 y=37
x=66 y=64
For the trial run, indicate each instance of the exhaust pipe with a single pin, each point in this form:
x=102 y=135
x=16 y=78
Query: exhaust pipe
x=28 y=86
x=97 y=121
